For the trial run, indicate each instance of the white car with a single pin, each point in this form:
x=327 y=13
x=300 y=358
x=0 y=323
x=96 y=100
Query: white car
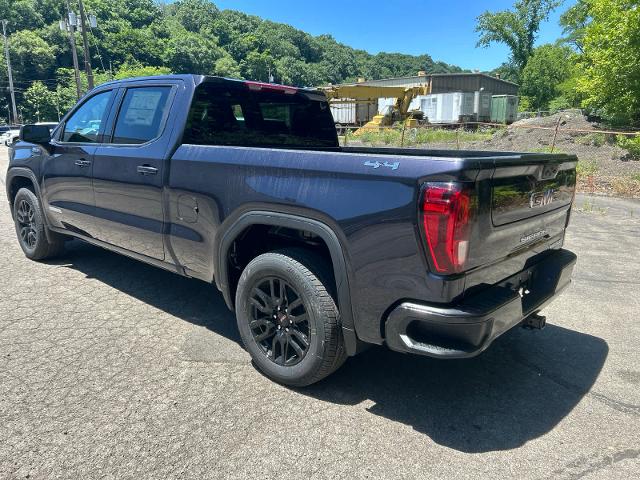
x=10 y=136
x=5 y=132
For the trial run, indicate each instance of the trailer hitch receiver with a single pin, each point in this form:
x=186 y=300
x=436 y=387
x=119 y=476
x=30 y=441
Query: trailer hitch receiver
x=535 y=321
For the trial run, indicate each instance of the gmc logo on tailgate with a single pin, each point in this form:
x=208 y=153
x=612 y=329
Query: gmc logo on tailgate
x=540 y=199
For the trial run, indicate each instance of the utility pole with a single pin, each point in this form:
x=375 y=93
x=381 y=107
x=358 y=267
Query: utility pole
x=68 y=24
x=85 y=42
x=11 y=91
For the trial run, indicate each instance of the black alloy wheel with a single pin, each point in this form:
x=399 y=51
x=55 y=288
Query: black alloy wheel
x=279 y=321
x=36 y=241
x=27 y=228
x=287 y=317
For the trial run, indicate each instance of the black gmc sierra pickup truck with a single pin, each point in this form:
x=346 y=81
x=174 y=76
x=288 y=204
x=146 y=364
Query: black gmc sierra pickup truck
x=319 y=249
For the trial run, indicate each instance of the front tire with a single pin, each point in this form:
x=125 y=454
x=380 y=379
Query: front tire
x=31 y=229
x=288 y=321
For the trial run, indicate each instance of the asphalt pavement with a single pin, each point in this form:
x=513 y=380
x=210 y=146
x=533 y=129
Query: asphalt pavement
x=110 y=368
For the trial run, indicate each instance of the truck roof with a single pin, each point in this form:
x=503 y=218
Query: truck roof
x=199 y=79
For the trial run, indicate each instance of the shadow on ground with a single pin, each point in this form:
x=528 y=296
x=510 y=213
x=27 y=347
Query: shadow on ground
x=518 y=390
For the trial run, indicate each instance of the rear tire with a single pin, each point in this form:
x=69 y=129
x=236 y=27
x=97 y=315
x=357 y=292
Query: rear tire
x=31 y=229
x=288 y=321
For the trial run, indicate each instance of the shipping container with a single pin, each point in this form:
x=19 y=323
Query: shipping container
x=504 y=108
x=482 y=106
x=448 y=107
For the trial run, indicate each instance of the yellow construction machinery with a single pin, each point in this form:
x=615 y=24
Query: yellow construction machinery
x=399 y=112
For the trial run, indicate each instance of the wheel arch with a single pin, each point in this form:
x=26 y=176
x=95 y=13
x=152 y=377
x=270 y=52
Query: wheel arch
x=285 y=220
x=20 y=177
x=17 y=178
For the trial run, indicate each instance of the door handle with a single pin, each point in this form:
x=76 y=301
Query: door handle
x=82 y=162
x=147 y=170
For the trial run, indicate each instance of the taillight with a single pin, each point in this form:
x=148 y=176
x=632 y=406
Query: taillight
x=445 y=213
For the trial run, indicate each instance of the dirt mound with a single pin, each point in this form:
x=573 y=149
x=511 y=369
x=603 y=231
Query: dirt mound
x=568 y=120
x=599 y=153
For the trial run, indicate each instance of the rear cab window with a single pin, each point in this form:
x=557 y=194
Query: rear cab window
x=259 y=115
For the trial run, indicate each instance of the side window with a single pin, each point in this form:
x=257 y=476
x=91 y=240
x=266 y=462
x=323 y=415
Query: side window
x=83 y=126
x=141 y=114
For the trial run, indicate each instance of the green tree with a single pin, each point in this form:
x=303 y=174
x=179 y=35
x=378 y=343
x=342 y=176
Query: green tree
x=292 y=71
x=516 y=28
x=507 y=71
x=40 y=103
x=242 y=44
x=194 y=15
x=574 y=22
x=227 y=67
x=257 y=65
x=23 y=14
x=121 y=42
x=548 y=67
x=31 y=57
x=611 y=60
x=189 y=52
x=568 y=94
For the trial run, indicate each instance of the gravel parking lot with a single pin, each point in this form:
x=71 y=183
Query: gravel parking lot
x=113 y=369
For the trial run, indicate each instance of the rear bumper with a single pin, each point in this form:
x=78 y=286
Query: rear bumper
x=469 y=328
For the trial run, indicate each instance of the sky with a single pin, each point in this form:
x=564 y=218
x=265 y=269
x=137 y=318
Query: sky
x=442 y=29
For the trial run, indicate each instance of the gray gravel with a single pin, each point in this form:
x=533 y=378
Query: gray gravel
x=113 y=369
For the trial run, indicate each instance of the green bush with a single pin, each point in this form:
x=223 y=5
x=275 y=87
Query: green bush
x=390 y=136
x=422 y=136
x=368 y=136
x=594 y=139
x=559 y=103
x=630 y=144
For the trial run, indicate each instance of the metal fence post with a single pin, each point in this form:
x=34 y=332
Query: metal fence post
x=555 y=135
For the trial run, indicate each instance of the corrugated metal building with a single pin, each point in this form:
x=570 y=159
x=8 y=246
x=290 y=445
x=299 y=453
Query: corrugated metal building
x=453 y=82
x=479 y=84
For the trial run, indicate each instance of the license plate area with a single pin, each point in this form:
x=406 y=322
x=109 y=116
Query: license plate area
x=536 y=284
x=519 y=283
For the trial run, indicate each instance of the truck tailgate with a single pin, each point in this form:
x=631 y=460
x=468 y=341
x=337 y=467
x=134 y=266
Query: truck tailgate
x=520 y=192
x=523 y=210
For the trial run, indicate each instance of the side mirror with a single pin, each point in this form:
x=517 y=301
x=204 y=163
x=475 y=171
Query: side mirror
x=39 y=134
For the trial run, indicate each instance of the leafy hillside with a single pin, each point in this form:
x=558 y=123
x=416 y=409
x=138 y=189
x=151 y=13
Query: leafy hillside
x=186 y=36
